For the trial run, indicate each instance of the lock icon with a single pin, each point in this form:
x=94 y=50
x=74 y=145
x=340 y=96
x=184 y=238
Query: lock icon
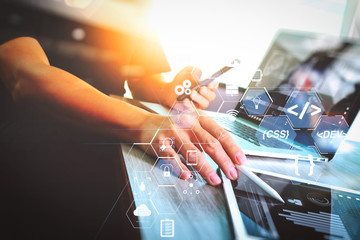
x=166 y=171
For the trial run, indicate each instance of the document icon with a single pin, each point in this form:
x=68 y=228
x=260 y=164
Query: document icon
x=167 y=228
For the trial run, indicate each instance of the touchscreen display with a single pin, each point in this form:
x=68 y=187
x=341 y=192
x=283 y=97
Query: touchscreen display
x=309 y=211
x=327 y=65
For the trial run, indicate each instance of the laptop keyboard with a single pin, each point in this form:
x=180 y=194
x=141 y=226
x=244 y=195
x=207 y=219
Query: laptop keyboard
x=248 y=133
x=238 y=129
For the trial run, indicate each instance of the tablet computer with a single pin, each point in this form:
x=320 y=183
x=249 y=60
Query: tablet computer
x=310 y=211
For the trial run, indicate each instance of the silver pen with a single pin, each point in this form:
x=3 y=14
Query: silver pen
x=208 y=80
x=258 y=181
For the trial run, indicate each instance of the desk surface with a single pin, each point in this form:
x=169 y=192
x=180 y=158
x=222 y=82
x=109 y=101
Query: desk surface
x=205 y=215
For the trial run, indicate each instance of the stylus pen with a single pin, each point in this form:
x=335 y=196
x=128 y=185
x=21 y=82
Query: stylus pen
x=263 y=185
x=208 y=80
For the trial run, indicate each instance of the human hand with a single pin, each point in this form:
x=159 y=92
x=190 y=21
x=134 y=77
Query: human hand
x=201 y=99
x=189 y=133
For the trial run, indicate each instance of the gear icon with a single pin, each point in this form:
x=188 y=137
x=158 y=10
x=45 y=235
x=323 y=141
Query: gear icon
x=184 y=88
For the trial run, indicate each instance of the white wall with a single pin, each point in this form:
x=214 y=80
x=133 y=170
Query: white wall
x=210 y=32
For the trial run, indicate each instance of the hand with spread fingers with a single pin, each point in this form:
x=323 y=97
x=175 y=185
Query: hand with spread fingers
x=62 y=97
x=184 y=132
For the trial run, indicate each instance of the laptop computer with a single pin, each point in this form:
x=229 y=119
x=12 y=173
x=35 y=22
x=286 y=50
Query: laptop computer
x=304 y=102
x=301 y=102
x=328 y=69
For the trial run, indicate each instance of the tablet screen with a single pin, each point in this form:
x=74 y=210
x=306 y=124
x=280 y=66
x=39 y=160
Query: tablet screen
x=309 y=211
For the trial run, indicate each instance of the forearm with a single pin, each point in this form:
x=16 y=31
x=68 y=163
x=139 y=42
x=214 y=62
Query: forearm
x=54 y=93
x=150 y=88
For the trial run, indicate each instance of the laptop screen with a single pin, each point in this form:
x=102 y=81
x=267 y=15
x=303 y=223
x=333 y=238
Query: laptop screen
x=327 y=65
x=314 y=80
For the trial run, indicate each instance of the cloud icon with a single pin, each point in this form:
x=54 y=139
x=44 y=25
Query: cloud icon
x=142 y=211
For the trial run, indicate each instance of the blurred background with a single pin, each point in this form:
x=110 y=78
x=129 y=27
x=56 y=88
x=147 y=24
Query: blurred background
x=129 y=38
x=209 y=33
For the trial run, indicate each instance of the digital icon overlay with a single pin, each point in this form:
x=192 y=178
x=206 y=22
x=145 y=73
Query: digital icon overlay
x=166 y=171
x=142 y=213
x=184 y=88
x=232 y=113
x=309 y=158
x=303 y=109
x=142 y=181
x=329 y=133
x=166 y=143
x=231 y=90
x=167 y=228
x=183 y=115
x=192 y=186
x=276 y=131
x=256 y=101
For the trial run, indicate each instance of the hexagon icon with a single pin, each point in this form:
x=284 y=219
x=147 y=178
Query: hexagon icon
x=216 y=104
x=231 y=92
x=142 y=184
x=304 y=161
x=303 y=153
x=190 y=155
x=329 y=133
x=184 y=89
x=167 y=171
x=303 y=109
x=256 y=101
x=183 y=115
x=167 y=200
x=196 y=75
x=230 y=108
x=142 y=213
x=276 y=132
x=192 y=152
x=192 y=186
x=144 y=152
x=165 y=145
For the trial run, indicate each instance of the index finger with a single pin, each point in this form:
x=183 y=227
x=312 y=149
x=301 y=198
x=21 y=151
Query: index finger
x=231 y=148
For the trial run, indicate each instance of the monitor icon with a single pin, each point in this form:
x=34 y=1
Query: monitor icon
x=231 y=90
